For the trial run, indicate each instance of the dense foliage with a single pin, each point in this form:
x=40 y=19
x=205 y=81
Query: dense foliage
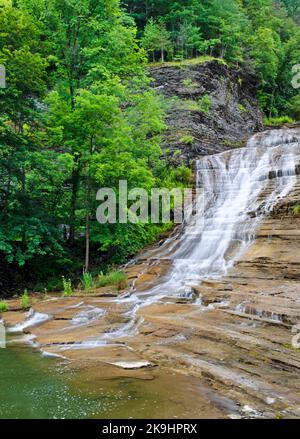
x=78 y=112
x=261 y=35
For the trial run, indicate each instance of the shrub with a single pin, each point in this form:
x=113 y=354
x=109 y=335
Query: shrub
x=293 y=107
x=25 y=300
x=184 y=104
x=115 y=278
x=190 y=85
x=277 y=121
x=67 y=286
x=204 y=104
x=3 y=306
x=296 y=209
x=54 y=284
x=187 y=140
x=87 y=281
x=182 y=174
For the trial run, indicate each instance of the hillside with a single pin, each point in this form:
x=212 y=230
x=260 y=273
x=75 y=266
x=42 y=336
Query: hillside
x=210 y=108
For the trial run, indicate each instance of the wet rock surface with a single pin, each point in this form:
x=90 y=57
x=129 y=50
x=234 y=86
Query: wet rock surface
x=236 y=342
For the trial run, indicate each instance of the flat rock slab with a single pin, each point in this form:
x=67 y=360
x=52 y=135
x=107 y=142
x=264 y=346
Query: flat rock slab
x=132 y=364
x=12 y=318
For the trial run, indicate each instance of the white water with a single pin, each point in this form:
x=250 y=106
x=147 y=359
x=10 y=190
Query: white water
x=32 y=319
x=241 y=187
x=87 y=316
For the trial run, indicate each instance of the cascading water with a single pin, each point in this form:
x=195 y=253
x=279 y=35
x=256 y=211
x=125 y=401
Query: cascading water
x=241 y=187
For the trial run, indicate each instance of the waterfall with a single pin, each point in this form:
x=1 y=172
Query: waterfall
x=241 y=187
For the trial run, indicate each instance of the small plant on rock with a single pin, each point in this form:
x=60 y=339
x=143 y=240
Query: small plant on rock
x=25 y=300
x=296 y=209
x=115 y=278
x=187 y=140
x=205 y=104
x=242 y=108
x=190 y=85
x=3 y=306
x=87 y=281
x=67 y=285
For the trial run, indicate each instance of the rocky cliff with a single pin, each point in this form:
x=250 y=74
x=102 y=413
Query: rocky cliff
x=210 y=108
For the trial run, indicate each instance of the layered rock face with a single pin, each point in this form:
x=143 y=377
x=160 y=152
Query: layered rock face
x=210 y=108
x=242 y=340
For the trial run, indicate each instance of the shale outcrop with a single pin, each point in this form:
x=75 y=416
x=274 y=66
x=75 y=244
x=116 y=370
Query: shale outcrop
x=210 y=108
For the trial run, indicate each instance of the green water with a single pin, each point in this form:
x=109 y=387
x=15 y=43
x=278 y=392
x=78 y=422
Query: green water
x=32 y=387
x=35 y=387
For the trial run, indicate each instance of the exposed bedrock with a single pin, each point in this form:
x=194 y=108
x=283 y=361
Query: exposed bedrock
x=210 y=108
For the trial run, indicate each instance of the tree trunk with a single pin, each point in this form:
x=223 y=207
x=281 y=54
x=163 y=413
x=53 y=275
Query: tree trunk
x=87 y=243
x=7 y=195
x=272 y=101
x=88 y=209
x=24 y=207
x=75 y=180
x=162 y=55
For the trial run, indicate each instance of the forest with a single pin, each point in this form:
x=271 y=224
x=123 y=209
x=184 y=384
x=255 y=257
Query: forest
x=78 y=113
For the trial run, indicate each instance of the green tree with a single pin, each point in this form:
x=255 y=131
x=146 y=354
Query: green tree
x=228 y=24
x=157 y=38
x=292 y=6
x=99 y=123
x=293 y=107
x=266 y=52
x=23 y=231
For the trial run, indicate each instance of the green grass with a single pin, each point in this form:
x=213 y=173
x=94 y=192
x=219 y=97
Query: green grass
x=188 y=62
x=296 y=209
x=190 y=85
x=278 y=121
x=3 y=306
x=232 y=144
x=184 y=104
x=25 y=300
x=187 y=140
x=115 y=278
x=204 y=104
x=67 y=287
x=242 y=108
x=87 y=281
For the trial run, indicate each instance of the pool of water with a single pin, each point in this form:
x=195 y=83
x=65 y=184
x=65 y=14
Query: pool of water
x=34 y=387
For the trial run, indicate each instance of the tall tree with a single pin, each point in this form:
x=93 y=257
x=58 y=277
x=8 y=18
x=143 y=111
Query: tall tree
x=157 y=38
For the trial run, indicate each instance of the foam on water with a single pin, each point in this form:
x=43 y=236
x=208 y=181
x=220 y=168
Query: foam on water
x=87 y=316
x=32 y=319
